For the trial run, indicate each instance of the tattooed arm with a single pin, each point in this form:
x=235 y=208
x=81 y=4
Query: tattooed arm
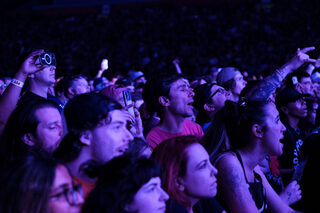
x=264 y=90
x=232 y=186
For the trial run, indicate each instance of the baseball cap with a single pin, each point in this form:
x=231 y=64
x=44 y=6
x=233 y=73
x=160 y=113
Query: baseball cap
x=226 y=74
x=287 y=95
x=112 y=91
x=134 y=75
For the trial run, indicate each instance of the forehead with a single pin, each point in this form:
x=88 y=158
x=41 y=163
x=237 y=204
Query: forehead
x=196 y=153
x=179 y=83
x=62 y=177
x=215 y=88
x=238 y=75
x=47 y=113
x=80 y=80
x=117 y=116
x=271 y=110
x=305 y=79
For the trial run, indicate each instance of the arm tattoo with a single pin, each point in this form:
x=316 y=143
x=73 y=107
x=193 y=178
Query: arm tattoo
x=263 y=90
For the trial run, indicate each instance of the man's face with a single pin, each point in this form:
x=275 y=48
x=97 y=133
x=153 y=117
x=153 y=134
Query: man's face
x=239 y=84
x=46 y=76
x=110 y=139
x=80 y=86
x=49 y=130
x=181 y=98
x=307 y=86
x=297 y=109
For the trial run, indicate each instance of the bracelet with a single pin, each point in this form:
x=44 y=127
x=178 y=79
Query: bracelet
x=17 y=83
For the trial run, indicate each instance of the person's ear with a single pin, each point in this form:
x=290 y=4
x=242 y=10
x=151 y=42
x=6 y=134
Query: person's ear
x=164 y=101
x=86 y=137
x=71 y=91
x=298 y=87
x=284 y=109
x=179 y=184
x=209 y=107
x=257 y=130
x=29 y=139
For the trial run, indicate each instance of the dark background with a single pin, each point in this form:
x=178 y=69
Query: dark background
x=256 y=36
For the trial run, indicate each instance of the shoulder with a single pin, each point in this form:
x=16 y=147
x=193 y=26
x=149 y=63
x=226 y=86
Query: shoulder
x=155 y=136
x=192 y=127
x=230 y=168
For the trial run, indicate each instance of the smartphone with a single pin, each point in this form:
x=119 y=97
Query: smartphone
x=128 y=101
x=48 y=59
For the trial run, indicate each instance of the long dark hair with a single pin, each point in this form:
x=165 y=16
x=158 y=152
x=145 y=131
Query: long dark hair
x=26 y=186
x=231 y=126
x=118 y=182
x=23 y=120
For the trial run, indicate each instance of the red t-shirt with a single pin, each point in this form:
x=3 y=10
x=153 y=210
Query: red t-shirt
x=156 y=135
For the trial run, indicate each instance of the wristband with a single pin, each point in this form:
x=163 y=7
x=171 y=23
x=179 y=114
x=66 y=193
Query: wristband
x=17 y=83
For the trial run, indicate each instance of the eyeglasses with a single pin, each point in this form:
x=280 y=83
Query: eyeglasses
x=220 y=91
x=70 y=194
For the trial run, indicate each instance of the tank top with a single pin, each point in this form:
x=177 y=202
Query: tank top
x=256 y=188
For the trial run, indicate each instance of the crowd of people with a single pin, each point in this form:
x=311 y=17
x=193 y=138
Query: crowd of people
x=163 y=141
x=166 y=143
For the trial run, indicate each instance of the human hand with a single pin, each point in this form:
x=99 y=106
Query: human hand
x=135 y=126
x=301 y=57
x=291 y=193
x=29 y=66
x=176 y=61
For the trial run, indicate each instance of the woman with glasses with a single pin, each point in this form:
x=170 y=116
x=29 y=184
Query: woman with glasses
x=208 y=99
x=39 y=185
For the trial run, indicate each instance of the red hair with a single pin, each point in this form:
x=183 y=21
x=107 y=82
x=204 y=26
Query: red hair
x=172 y=156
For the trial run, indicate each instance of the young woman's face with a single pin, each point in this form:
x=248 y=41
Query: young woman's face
x=62 y=187
x=274 y=130
x=200 y=179
x=150 y=198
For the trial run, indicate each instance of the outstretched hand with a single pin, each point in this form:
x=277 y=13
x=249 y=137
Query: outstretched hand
x=301 y=57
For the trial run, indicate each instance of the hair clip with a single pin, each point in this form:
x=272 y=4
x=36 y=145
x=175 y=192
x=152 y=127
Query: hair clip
x=294 y=80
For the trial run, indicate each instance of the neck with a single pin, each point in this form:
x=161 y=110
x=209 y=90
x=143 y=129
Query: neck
x=234 y=98
x=251 y=157
x=75 y=165
x=193 y=202
x=293 y=122
x=39 y=89
x=171 y=123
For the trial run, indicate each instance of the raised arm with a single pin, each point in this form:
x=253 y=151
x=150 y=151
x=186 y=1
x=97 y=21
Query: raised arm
x=10 y=97
x=263 y=90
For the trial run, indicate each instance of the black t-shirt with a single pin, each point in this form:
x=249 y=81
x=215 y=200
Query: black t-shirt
x=292 y=146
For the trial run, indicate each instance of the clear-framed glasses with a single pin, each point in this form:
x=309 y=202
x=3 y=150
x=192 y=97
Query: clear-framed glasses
x=71 y=194
x=220 y=91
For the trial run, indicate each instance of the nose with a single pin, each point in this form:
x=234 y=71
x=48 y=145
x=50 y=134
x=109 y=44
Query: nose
x=163 y=196
x=214 y=170
x=283 y=128
x=191 y=93
x=80 y=199
x=53 y=68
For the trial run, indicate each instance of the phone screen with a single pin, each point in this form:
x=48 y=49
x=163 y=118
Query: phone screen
x=128 y=101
